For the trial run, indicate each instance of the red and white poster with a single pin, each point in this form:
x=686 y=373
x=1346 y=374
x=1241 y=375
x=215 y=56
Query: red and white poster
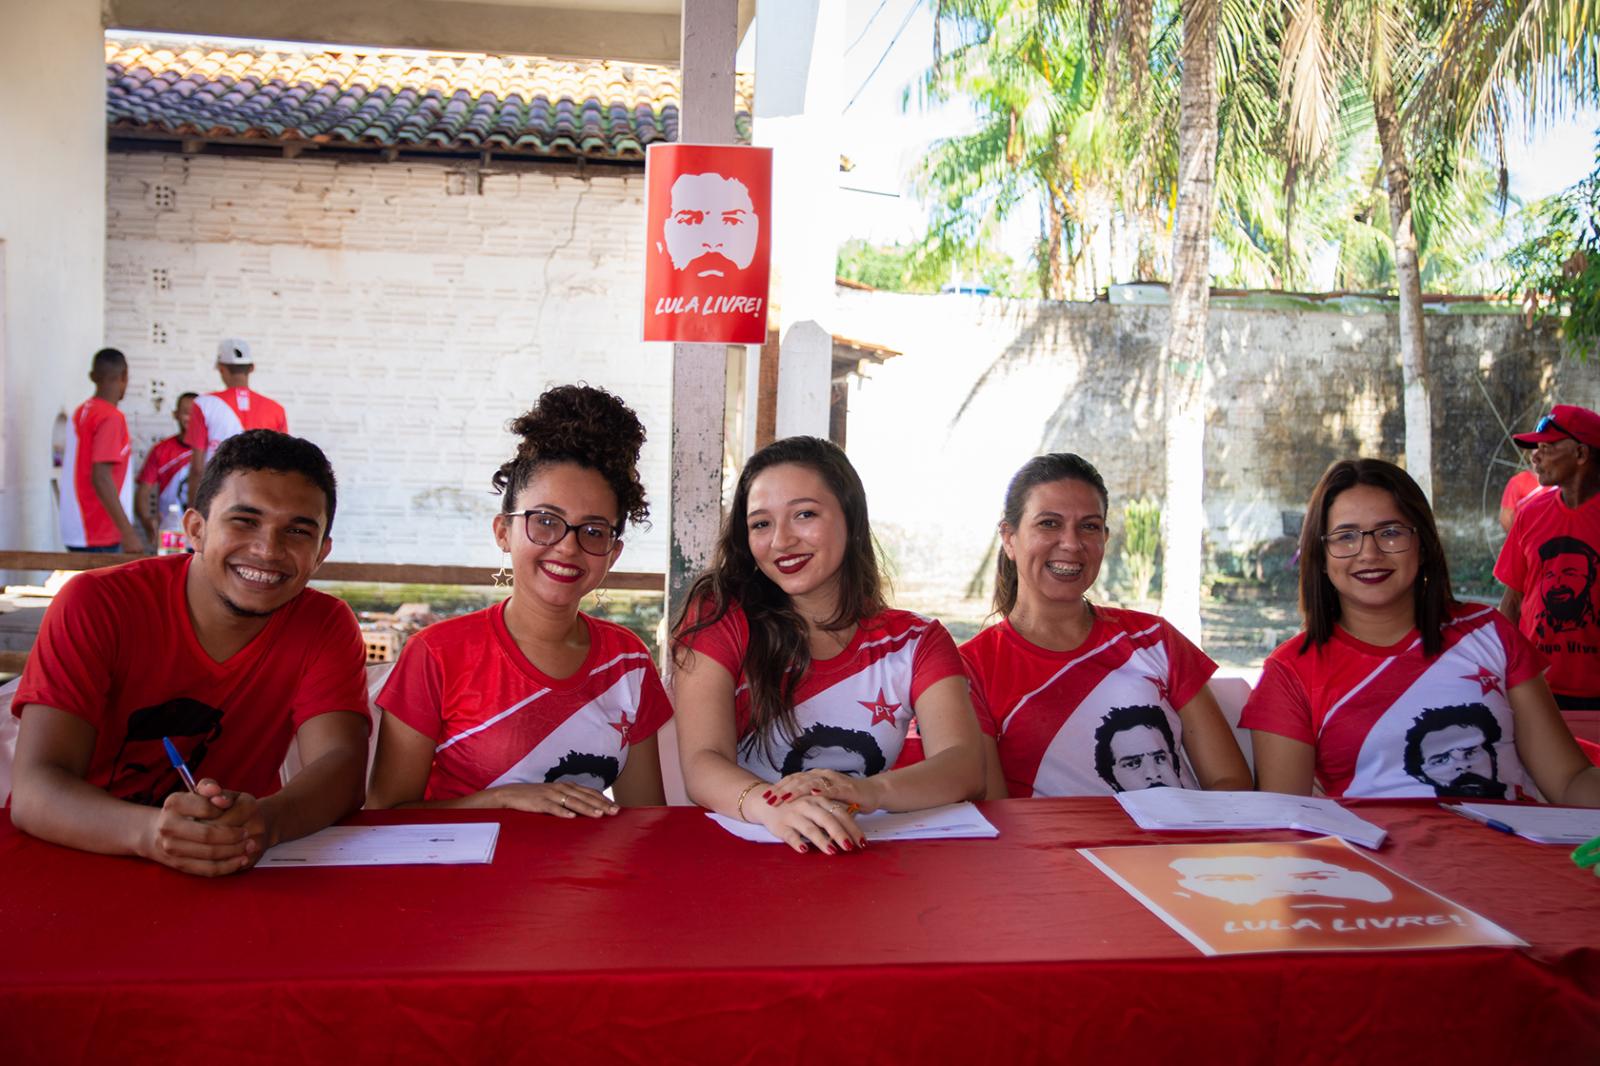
x=708 y=243
x=1312 y=895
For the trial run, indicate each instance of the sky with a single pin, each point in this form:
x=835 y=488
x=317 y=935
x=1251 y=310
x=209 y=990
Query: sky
x=885 y=141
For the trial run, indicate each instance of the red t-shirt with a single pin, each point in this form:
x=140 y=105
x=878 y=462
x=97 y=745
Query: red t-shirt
x=96 y=433
x=167 y=468
x=1090 y=721
x=851 y=710
x=1522 y=484
x=220 y=415
x=1550 y=557
x=1387 y=722
x=117 y=649
x=496 y=719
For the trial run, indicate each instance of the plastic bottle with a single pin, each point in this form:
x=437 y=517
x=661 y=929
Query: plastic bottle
x=170 y=541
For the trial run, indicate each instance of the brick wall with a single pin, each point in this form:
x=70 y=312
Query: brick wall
x=401 y=313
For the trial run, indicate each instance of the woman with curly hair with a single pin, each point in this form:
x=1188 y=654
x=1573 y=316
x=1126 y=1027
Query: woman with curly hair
x=532 y=704
x=796 y=679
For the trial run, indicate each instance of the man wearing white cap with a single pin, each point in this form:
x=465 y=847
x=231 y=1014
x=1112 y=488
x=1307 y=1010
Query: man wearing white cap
x=233 y=409
x=1550 y=564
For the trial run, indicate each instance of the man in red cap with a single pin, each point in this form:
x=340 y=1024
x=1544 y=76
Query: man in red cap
x=1551 y=559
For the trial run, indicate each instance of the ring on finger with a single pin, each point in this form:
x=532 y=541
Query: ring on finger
x=563 y=801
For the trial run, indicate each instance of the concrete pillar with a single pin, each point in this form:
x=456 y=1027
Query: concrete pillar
x=699 y=371
x=52 y=245
x=799 y=54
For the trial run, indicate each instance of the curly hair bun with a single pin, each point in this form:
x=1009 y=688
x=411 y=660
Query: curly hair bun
x=584 y=425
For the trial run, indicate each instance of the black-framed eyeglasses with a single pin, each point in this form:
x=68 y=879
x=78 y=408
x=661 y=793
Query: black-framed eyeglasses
x=1548 y=422
x=1391 y=539
x=546 y=529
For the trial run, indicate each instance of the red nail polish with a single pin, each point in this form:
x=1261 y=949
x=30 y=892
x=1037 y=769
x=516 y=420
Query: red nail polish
x=771 y=801
x=767 y=794
x=846 y=846
x=805 y=847
x=788 y=795
x=831 y=851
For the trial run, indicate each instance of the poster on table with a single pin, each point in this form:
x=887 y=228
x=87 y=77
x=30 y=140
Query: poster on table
x=1310 y=895
x=708 y=243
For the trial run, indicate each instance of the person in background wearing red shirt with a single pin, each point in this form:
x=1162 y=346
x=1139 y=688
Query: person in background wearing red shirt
x=574 y=702
x=1395 y=689
x=97 y=494
x=232 y=409
x=163 y=480
x=223 y=651
x=1519 y=487
x=1549 y=561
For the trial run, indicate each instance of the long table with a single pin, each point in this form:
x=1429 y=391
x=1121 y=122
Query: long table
x=656 y=937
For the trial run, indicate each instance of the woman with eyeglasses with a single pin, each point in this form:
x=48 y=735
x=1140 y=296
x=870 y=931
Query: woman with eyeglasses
x=1087 y=699
x=796 y=681
x=532 y=704
x=1396 y=689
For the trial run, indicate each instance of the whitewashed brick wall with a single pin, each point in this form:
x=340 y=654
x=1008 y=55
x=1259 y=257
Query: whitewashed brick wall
x=400 y=314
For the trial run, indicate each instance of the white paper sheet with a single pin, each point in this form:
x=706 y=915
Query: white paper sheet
x=1544 y=825
x=957 y=821
x=1185 y=808
x=389 y=845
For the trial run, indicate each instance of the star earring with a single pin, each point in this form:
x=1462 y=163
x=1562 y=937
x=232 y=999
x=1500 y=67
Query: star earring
x=502 y=577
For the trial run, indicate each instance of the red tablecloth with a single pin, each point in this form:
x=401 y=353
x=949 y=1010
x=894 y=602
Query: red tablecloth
x=655 y=937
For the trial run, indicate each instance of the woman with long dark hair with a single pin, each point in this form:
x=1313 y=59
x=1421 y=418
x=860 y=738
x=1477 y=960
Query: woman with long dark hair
x=1395 y=688
x=532 y=704
x=796 y=682
x=1087 y=699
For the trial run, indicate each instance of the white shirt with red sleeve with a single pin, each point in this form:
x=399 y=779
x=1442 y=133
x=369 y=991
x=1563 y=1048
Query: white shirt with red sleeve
x=96 y=433
x=496 y=719
x=851 y=710
x=1099 y=719
x=1388 y=722
x=220 y=415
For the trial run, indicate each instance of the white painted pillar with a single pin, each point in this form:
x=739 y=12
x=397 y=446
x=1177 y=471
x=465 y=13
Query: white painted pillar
x=53 y=238
x=799 y=60
x=699 y=371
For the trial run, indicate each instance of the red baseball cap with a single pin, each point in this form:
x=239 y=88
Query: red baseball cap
x=1564 y=420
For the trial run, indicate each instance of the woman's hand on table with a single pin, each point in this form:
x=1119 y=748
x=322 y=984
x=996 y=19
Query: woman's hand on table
x=812 y=821
x=560 y=798
x=862 y=793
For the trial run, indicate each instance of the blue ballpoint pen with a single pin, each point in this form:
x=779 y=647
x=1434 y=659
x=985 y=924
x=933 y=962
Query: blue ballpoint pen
x=178 y=764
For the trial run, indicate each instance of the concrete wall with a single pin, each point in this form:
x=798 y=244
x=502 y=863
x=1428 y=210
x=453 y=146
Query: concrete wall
x=52 y=243
x=985 y=384
x=401 y=313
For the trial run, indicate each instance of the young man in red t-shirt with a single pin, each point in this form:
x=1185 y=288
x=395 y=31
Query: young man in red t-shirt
x=232 y=409
x=96 y=491
x=163 y=480
x=1551 y=559
x=226 y=653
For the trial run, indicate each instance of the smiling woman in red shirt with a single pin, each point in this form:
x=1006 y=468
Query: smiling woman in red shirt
x=532 y=704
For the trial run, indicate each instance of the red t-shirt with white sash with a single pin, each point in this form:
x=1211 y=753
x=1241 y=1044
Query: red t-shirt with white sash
x=220 y=415
x=1387 y=722
x=496 y=719
x=851 y=710
x=1089 y=721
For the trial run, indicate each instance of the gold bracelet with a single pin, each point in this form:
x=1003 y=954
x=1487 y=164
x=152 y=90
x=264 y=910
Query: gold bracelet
x=739 y=807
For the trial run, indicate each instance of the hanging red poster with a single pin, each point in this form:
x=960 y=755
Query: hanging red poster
x=708 y=243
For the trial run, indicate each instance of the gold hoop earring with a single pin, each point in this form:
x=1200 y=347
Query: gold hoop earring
x=503 y=578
